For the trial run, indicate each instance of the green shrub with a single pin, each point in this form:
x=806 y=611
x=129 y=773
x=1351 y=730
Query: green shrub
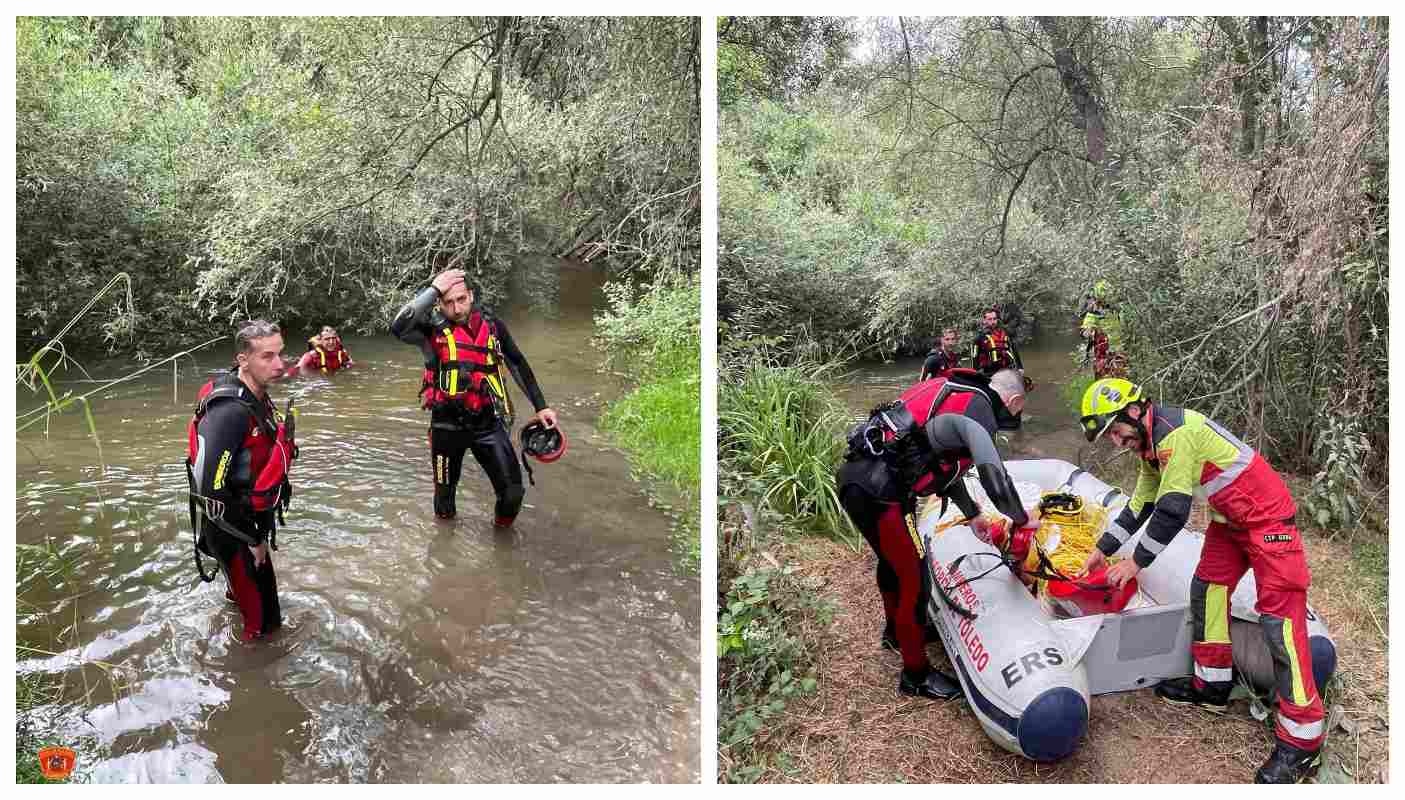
x=655 y=338
x=762 y=663
x=779 y=425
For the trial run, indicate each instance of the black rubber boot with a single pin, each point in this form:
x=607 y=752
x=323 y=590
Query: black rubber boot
x=890 y=637
x=1288 y=764
x=931 y=684
x=1182 y=692
x=444 y=502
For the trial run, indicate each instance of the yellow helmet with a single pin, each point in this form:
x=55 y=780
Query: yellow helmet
x=1103 y=401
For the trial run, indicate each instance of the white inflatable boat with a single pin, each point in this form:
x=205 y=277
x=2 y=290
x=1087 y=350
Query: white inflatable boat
x=1028 y=675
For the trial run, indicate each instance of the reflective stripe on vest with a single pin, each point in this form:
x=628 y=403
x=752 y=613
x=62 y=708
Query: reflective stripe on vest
x=476 y=354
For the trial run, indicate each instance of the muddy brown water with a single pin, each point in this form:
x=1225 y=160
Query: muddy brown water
x=412 y=649
x=1049 y=426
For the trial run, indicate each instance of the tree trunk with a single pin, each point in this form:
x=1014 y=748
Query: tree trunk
x=1081 y=86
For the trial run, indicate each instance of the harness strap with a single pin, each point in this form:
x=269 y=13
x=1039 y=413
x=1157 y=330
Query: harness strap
x=195 y=516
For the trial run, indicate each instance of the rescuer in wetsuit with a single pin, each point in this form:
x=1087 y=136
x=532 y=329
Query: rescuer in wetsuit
x=325 y=353
x=240 y=455
x=943 y=358
x=1252 y=525
x=921 y=445
x=467 y=355
x=993 y=349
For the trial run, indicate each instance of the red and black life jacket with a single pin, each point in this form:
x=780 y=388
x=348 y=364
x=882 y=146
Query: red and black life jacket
x=330 y=362
x=467 y=368
x=950 y=395
x=901 y=425
x=993 y=351
x=946 y=362
x=257 y=448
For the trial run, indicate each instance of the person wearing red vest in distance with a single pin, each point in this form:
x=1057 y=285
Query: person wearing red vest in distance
x=325 y=353
x=993 y=349
x=1181 y=454
x=922 y=444
x=240 y=453
x=467 y=356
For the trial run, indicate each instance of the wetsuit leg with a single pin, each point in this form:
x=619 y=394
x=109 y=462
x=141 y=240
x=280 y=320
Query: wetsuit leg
x=254 y=590
x=494 y=452
x=1282 y=577
x=863 y=510
x=1222 y=564
x=446 y=449
x=899 y=550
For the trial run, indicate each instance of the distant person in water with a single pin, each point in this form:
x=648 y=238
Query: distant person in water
x=467 y=355
x=325 y=353
x=943 y=358
x=240 y=453
x=994 y=349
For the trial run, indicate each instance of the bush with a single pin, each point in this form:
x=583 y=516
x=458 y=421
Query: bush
x=656 y=339
x=780 y=428
x=763 y=663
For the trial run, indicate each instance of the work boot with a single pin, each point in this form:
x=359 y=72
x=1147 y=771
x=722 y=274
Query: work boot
x=444 y=502
x=1183 y=692
x=931 y=684
x=1288 y=764
x=890 y=637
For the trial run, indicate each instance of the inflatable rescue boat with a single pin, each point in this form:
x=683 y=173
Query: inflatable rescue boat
x=1030 y=653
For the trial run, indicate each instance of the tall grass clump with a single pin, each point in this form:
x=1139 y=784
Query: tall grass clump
x=780 y=436
x=654 y=339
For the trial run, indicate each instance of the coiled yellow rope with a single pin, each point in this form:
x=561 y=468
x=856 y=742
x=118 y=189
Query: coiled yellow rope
x=1066 y=534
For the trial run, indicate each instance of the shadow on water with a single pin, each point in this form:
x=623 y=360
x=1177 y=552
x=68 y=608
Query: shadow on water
x=412 y=649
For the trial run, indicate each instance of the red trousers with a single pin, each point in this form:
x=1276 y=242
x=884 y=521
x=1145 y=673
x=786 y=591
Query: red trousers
x=885 y=528
x=1275 y=552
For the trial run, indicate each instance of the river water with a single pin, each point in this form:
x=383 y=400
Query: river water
x=1049 y=426
x=412 y=649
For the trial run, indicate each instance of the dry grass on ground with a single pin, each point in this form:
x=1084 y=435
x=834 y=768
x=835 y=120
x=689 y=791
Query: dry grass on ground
x=858 y=729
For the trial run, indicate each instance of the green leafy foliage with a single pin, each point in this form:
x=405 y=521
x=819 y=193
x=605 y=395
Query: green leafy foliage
x=762 y=665
x=655 y=339
x=310 y=169
x=780 y=429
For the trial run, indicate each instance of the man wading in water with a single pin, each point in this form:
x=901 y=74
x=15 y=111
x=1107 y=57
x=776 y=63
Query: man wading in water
x=239 y=456
x=466 y=357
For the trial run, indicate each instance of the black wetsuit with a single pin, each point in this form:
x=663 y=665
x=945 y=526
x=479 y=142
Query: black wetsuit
x=453 y=430
x=228 y=523
x=938 y=364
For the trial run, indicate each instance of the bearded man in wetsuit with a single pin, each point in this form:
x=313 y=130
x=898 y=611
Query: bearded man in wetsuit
x=994 y=348
x=923 y=444
x=467 y=354
x=241 y=451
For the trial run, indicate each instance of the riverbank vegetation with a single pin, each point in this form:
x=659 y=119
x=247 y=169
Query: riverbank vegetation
x=655 y=340
x=880 y=179
x=316 y=169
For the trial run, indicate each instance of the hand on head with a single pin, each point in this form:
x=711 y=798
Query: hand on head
x=448 y=279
